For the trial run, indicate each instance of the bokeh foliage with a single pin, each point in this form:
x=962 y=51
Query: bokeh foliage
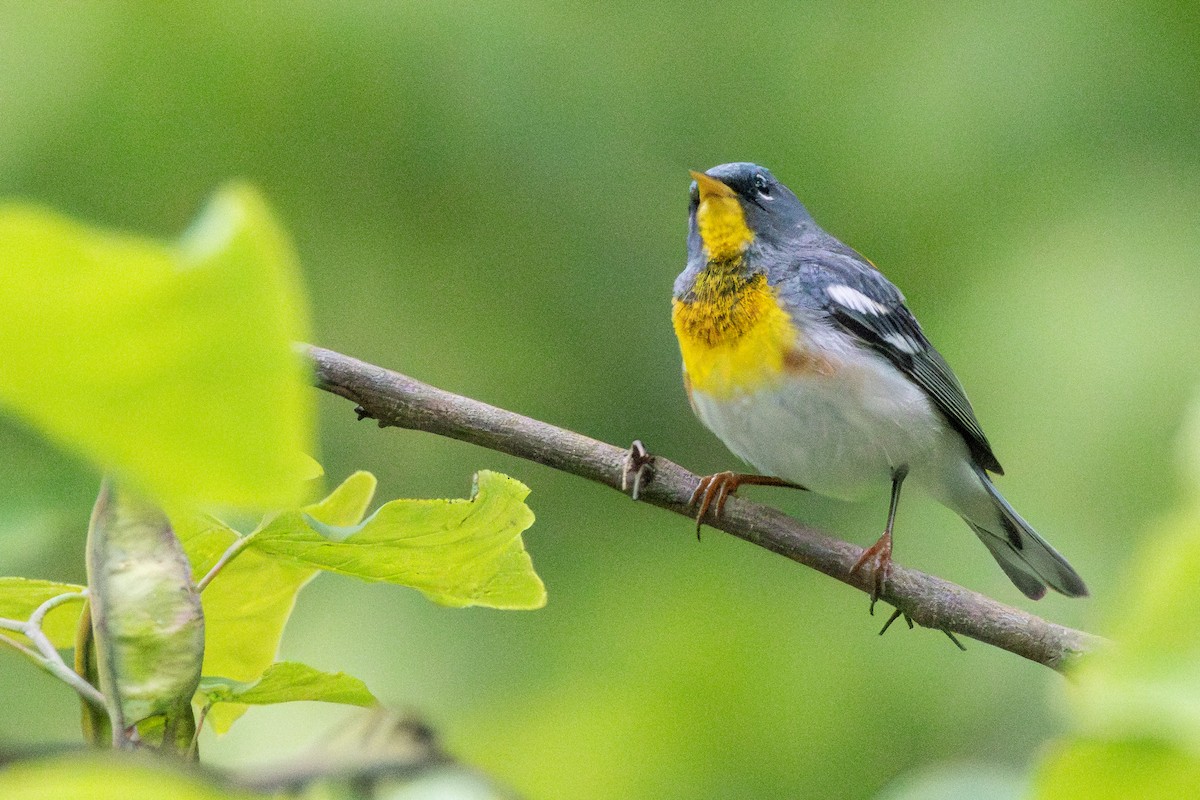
x=491 y=197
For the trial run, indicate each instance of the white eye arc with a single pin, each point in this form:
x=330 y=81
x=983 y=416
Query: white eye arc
x=761 y=184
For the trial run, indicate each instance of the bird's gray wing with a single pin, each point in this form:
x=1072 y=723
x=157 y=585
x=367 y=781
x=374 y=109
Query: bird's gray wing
x=859 y=299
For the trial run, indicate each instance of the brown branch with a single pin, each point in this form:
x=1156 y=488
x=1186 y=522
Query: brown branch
x=397 y=400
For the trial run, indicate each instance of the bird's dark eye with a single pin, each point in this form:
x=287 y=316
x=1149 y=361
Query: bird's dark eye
x=760 y=183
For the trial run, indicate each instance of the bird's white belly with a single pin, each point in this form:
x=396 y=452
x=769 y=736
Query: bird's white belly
x=835 y=434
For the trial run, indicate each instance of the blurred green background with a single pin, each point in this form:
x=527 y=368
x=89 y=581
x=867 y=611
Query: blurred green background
x=491 y=197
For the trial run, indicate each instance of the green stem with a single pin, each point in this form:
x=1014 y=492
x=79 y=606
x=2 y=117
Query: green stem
x=230 y=553
x=45 y=655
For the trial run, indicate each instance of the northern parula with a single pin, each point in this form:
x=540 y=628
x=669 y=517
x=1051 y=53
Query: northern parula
x=804 y=360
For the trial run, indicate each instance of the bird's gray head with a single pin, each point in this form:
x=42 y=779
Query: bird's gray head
x=733 y=205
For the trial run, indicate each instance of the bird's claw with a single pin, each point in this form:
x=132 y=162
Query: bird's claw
x=718 y=487
x=714 y=488
x=954 y=639
x=638 y=469
x=876 y=562
x=897 y=614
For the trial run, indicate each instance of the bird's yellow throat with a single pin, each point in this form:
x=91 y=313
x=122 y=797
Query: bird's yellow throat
x=721 y=220
x=733 y=334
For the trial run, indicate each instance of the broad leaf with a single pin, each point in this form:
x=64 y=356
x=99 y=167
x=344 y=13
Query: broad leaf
x=1137 y=701
x=111 y=776
x=345 y=505
x=248 y=604
x=170 y=365
x=1147 y=682
x=20 y=597
x=456 y=552
x=286 y=682
x=1095 y=770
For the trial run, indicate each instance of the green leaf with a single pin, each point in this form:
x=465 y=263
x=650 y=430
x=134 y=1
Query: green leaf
x=1096 y=770
x=149 y=631
x=245 y=609
x=1147 y=682
x=110 y=776
x=456 y=552
x=172 y=366
x=286 y=682
x=1137 y=701
x=20 y=597
x=345 y=505
x=248 y=604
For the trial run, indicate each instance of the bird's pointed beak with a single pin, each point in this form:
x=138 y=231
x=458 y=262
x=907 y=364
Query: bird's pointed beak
x=710 y=187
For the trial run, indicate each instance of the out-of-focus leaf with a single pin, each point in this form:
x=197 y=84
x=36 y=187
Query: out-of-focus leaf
x=1147 y=682
x=172 y=366
x=1096 y=770
x=20 y=597
x=456 y=552
x=248 y=604
x=286 y=682
x=1137 y=701
x=149 y=630
x=110 y=776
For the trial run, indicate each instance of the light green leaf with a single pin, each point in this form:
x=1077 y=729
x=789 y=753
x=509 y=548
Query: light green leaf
x=1147 y=682
x=1137 y=701
x=456 y=552
x=245 y=608
x=20 y=597
x=1093 y=770
x=248 y=604
x=204 y=538
x=172 y=366
x=110 y=776
x=286 y=682
x=345 y=505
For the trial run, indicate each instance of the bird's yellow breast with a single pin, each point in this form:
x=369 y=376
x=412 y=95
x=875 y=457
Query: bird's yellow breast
x=734 y=335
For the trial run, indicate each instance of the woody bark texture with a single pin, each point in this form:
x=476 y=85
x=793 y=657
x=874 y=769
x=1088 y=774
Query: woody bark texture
x=395 y=400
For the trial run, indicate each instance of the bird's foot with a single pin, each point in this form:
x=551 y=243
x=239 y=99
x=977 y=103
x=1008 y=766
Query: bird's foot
x=717 y=488
x=713 y=488
x=638 y=469
x=954 y=639
x=897 y=614
x=876 y=563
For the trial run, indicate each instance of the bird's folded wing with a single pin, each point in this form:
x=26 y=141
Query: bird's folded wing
x=858 y=298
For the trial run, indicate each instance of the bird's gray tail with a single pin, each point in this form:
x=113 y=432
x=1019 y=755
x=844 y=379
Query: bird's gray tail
x=1028 y=560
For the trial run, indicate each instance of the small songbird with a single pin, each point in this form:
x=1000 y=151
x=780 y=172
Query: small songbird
x=804 y=360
